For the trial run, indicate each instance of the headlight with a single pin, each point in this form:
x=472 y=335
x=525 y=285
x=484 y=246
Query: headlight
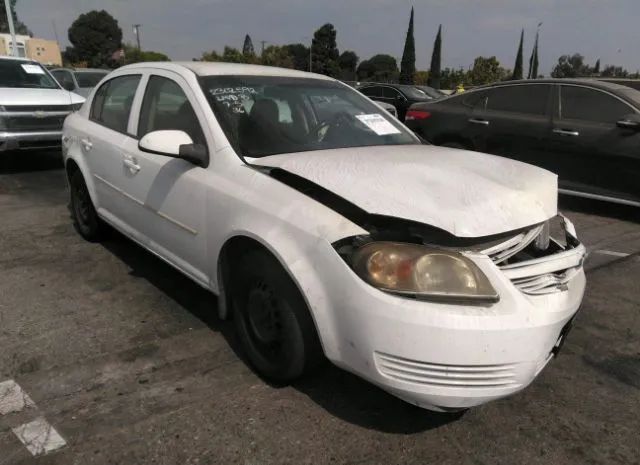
x=76 y=106
x=422 y=272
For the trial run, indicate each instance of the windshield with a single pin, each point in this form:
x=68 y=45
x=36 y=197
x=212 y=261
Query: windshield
x=430 y=91
x=89 y=78
x=266 y=115
x=14 y=73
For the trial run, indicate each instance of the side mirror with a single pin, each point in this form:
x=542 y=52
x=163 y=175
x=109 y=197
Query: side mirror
x=631 y=121
x=176 y=144
x=68 y=85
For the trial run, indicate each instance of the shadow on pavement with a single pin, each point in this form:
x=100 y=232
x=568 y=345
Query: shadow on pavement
x=340 y=393
x=600 y=208
x=28 y=160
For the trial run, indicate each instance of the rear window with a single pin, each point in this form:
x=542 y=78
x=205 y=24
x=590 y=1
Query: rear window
x=527 y=99
x=89 y=79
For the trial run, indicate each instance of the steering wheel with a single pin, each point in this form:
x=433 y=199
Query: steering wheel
x=321 y=129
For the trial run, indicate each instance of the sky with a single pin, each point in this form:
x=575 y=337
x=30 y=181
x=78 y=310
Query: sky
x=183 y=29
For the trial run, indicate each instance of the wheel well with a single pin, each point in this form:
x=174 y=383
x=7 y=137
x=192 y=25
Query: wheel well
x=71 y=168
x=230 y=253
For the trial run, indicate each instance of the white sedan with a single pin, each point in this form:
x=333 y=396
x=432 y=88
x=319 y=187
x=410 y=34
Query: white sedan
x=328 y=230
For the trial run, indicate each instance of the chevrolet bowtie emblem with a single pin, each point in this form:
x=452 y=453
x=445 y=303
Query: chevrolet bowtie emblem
x=39 y=114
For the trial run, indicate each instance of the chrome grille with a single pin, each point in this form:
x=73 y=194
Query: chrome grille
x=33 y=123
x=546 y=273
x=453 y=376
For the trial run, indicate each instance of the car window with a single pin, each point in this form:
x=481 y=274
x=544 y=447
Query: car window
x=528 y=99
x=475 y=99
x=585 y=104
x=89 y=79
x=112 y=103
x=372 y=91
x=63 y=77
x=390 y=92
x=165 y=106
x=268 y=115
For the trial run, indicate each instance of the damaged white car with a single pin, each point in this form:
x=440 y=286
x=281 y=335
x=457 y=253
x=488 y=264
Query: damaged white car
x=326 y=228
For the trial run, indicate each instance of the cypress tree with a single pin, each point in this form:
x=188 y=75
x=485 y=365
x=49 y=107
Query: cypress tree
x=436 y=58
x=408 y=63
x=247 y=48
x=533 y=61
x=517 y=69
x=596 y=69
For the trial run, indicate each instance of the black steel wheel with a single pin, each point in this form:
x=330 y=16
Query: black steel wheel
x=85 y=218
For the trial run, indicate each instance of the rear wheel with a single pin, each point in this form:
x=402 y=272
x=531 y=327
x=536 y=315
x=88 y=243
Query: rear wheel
x=85 y=218
x=272 y=320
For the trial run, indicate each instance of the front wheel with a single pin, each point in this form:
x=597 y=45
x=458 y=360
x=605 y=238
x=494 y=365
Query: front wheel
x=85 y=218
x=273 y=323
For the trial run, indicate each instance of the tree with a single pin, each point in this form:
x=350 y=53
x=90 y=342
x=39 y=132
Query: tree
x=325 y=51
x=379 y=68
x=19 y=26
x=436 y=58
x=570 y=66
x=518 y=68
x=596 y=68
x=133 y=55
x=247 y=48
x=614 y=71
x=485 y=71
x=348 y=63
x=210 y=56
x=408 y=62
x=95 y=36
x=450 y=78
x=232 y=55
x=275 y=55
x=420 y=78
x=533 y=61
x=299 y=53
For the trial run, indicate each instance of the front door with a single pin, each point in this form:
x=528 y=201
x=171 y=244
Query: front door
x=170 y=193
x=593 y=154
x=513 y=121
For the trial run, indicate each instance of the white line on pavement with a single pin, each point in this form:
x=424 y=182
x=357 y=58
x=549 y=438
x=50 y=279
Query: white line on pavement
x=13 y=398
x=612 y=253
x=39 y=437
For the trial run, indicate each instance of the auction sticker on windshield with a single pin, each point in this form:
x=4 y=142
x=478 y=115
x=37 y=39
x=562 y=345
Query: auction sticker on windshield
x=378 y=124
x=32 y=69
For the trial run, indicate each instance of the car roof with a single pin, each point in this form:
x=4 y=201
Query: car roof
x=592 y=82
x=83 y=70
x=9 y=57
x=203 y=68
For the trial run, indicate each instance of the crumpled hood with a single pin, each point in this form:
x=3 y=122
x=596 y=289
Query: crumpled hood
x=465 y=193
x=23 y=96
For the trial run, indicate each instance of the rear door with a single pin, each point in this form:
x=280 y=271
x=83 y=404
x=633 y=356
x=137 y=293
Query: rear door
x=513 y=121
x=168 y=195
x=592 y=153
x=106 y=133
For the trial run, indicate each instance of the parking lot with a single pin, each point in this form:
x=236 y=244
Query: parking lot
x=125 y=360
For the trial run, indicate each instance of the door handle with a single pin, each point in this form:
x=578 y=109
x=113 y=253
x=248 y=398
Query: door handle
x=131 y=164
x=483 y=122
x=86 y=143
x=566 y=132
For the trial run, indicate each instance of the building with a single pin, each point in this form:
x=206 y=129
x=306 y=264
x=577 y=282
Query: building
x=45 y=51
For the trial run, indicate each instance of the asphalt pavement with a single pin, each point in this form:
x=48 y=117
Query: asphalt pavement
x=108 y=355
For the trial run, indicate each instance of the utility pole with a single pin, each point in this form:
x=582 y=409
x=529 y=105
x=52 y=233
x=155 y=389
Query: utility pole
x=136 y=31
x=262 y=42
x=12 y=29
x=55 y=31
x=311 y=57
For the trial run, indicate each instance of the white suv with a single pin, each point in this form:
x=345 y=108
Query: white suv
x=325 y=227
x=33 y=106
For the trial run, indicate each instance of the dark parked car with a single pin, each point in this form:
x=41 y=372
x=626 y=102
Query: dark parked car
x=586 y=131
x=400 y=96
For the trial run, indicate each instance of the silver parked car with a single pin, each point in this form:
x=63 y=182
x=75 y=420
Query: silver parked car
x=79 y=80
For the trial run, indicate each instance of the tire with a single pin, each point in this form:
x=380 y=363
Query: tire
x=454 y=145
x=272 y=320
x=85 y=218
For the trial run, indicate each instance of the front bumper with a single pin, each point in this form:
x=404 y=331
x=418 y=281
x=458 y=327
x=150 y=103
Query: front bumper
x=25 y=140
x=445 y=356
